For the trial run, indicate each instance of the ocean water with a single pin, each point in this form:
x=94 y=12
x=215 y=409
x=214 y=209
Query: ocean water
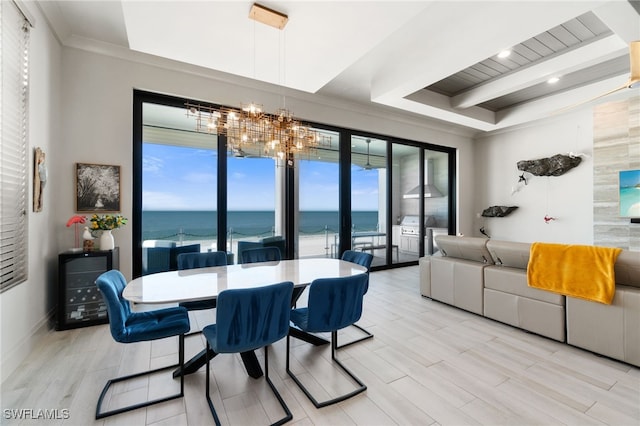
x=630 y=201
x=202 y=225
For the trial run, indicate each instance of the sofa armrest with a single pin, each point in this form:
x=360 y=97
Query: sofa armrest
x=425 y=276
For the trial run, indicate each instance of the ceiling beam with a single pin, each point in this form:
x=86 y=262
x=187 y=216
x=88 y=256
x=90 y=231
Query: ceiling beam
x=603 y=49
x=560 y=103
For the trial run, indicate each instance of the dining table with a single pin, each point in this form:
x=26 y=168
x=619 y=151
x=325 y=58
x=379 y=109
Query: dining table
x=206 y=283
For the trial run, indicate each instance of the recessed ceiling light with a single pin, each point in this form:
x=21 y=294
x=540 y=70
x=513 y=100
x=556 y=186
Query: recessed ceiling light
x=504 y=54
x=553 y=80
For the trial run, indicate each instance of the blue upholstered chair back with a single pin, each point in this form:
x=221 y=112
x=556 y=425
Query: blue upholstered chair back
x=111 y=284
x=359 y=257
x=262 y=254
x=334 y=303
x=201 y=260
x=162 y=256
x=127 y=326
x=247 y=319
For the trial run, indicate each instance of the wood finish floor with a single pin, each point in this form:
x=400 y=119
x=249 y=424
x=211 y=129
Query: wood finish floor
x=428 y=364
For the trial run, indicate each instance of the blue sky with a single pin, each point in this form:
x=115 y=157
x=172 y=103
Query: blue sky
x=181 y=178
x=629 y=178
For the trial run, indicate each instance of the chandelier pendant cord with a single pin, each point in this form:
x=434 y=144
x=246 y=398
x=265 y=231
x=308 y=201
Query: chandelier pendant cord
x=253 y=57
x=282 y=48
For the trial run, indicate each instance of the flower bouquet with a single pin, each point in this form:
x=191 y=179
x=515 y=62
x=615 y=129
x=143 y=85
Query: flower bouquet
x=107 y=222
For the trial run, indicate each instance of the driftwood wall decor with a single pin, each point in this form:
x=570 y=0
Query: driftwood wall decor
x=39 y=179
x=557 y=165
x=498 y=211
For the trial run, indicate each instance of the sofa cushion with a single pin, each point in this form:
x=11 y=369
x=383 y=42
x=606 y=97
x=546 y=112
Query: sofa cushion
x=514 y=281
x=545 y=319
x=507 y=253
x=467 y=248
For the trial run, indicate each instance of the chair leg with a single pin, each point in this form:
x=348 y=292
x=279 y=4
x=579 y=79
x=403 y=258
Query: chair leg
x=103 y=414
x=368 y=335
x=284 y=406
x=207 y=392
x=361 y=386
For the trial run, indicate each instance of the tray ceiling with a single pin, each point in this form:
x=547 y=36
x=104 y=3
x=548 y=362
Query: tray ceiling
x=432 y=58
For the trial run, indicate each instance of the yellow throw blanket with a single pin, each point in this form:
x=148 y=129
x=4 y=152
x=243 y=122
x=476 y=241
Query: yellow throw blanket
x=585 y=272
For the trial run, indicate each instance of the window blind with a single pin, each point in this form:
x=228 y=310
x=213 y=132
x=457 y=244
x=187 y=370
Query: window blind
x=14 y=94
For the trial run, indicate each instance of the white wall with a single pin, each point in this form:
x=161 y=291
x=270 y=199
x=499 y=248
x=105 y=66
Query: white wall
x=26 y=308
x=568 y=198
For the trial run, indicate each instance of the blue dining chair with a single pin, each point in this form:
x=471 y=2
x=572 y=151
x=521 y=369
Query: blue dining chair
x=129 y=327
x=196 y=261
x=333 y=304
x=262 y=254
x=363 y=259
x=248 y=319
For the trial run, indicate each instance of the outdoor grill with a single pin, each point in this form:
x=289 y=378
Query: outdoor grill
x=410 y=226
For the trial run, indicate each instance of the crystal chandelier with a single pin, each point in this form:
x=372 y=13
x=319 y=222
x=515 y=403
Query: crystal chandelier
x=252 y=132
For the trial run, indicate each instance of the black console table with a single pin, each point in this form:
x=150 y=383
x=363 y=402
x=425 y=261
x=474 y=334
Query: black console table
x=80 y=303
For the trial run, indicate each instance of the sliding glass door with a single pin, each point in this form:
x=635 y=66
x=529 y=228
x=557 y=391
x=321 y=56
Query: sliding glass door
x=251 y=200
x=178 y=187
x=318 y=199
x=357 y=191
x=369 y=196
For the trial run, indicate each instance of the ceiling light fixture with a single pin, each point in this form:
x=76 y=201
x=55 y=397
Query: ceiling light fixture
x=553 y=80
x=250 y=130
x=504 y=54
x=268 y=16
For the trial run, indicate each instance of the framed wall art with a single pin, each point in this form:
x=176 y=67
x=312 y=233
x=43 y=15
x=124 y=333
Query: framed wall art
x=97 y=188
x=629 y=193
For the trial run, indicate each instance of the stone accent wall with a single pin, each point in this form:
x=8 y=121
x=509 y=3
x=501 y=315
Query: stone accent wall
x=616 y=146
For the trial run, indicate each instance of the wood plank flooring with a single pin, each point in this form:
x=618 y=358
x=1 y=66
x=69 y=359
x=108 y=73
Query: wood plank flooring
x=428 y=364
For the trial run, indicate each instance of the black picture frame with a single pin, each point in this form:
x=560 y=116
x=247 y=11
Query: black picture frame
x=97 y=188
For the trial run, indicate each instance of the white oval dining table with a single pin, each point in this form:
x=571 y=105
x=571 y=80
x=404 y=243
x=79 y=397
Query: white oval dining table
x=206 y=283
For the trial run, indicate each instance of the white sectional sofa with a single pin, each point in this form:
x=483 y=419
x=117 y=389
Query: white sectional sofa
x=489 y=278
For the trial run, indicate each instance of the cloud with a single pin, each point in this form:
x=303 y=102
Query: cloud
x=364 y=191
x=200 y=178
x=154 y=200
x=152 y=164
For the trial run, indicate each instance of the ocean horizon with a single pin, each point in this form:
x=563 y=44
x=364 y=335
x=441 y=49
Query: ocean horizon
x=202 y=225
